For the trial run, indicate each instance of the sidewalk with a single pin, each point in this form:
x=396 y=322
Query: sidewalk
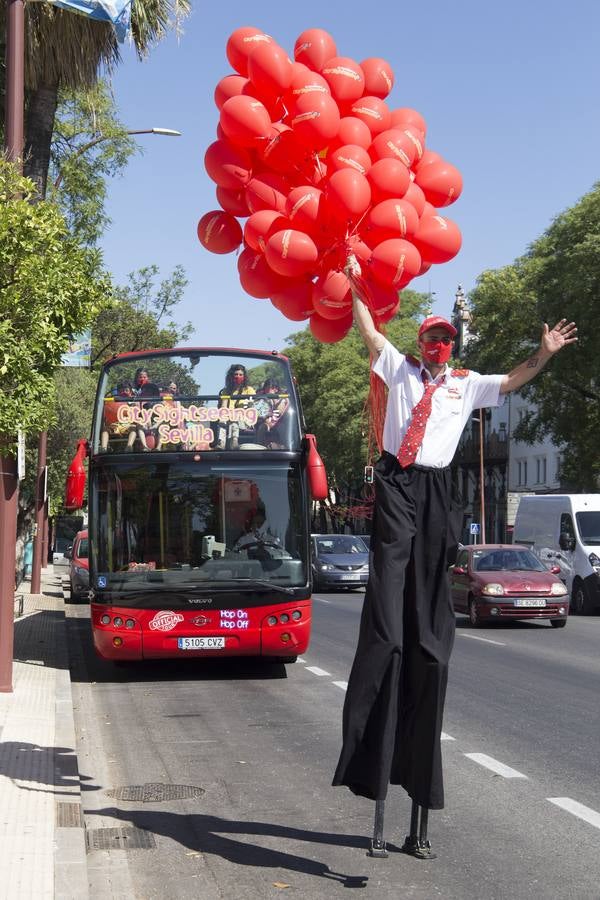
x=42 y=840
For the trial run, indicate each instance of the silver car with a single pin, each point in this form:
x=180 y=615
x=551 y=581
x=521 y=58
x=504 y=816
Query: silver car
x=339 y=561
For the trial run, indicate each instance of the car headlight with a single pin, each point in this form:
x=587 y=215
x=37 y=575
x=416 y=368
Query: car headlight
x=493 y=590
x=594 y=562
x=79 y=570
x=326 y=567
x=558 y=590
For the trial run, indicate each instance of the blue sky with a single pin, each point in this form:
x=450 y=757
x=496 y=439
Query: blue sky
x=509 y=93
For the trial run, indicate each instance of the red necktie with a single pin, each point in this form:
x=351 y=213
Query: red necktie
x=416 y=430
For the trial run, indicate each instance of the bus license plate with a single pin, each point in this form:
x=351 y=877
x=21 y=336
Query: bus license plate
x=531 y=601
x=201 y=643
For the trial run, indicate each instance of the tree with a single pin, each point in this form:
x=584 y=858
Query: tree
x=50 y=288
x=558 y=277
x=333 y=380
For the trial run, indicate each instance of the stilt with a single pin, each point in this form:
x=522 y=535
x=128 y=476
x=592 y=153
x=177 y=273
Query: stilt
x=416 y=843
x=377 y=847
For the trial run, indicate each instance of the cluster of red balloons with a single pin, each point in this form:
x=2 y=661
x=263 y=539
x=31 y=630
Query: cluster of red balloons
x=312 y=157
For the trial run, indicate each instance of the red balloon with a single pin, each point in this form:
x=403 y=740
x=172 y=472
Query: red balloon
x=429 y=156
x=389 y=219
x=438 y=239
x=332 y=296
x=350 y=156
x=373 y=112
x=379 y=298
x=240 y=45
x=314 y=47
x=329 y=331
x=256 y=276
x=417 y=137
x=219 y=232
x=393 y=144
x=291 y=253
x=388 y=178
x=348 y=195
x=273 y=105
x=416 y=197
x=406 y=116
x=441 y=182
x=245 y=120
x=379 y=77
x=304 y=208
x=281 y=152
x=388 y=312
x=229 y=86
x=316 y=120
x=295 y=302
x=393 y=260
x=270 y=69
x=267 y=191
x=304 y=81
x=233 y=202
x=352 y=131
x=344 y=77
x=260 y=226
x=227 y=165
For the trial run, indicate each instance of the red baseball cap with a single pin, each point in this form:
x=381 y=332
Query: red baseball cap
x=437 y=322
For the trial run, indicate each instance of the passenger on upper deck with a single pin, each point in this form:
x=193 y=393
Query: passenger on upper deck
x=272 y=409
x=111 y=427
x=236 y=394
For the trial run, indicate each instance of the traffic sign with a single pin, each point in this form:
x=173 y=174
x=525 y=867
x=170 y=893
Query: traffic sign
x=474 y=528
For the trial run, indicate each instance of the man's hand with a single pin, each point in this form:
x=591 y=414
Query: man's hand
x=561 y=335
x=352 y=266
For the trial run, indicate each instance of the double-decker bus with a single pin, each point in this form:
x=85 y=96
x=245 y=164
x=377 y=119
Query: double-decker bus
x=201 y=477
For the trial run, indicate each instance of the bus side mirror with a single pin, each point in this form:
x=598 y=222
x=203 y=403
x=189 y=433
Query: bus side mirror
x=317 y=476
x=76 y=477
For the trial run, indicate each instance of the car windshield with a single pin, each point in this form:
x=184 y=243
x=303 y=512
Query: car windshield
x=506 y=561
x=589 y=526
x=341 y=543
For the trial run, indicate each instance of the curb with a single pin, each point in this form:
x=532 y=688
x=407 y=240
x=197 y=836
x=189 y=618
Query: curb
x=70 y=856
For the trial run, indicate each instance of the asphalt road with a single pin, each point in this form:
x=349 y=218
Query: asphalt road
x=521 y=764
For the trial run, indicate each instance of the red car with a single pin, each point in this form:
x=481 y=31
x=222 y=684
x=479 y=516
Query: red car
x=491 y=582
x=79 y=571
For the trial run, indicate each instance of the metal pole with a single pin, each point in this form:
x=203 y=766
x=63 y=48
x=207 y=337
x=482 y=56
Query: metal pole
x=481 y=477
x=13 y=142
x=40 y=508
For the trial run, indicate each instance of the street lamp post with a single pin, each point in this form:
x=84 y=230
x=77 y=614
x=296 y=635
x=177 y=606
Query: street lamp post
x=41 y=511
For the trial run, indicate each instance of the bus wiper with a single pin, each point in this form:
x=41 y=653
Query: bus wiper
x=268 y=584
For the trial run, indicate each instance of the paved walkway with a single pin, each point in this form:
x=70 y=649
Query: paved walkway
x=42 y=841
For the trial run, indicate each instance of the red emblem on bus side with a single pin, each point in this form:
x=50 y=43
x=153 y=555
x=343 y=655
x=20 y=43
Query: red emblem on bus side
x=200 y=620
x=165 y=620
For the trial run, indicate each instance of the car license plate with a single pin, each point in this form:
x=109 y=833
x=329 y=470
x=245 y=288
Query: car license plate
x=530 y=601
x=347 y=577
x=201 y=643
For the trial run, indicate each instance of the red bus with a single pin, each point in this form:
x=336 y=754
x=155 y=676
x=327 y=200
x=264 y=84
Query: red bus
x=201 y=478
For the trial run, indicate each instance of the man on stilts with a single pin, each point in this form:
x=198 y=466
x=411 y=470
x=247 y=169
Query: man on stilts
x=394 y=705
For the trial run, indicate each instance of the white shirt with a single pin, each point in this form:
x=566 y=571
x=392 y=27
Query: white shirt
x=460 y=393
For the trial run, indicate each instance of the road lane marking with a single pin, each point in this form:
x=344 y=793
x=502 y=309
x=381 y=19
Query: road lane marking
x=321 y=599
x=317 y=671
x=446 y=737
x=341 y=684
x=490 y=763
x=577 y=809
x=475 y=637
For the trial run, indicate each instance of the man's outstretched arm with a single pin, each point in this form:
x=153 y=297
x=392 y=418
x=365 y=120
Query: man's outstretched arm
x=364 y=321
x=552 y=341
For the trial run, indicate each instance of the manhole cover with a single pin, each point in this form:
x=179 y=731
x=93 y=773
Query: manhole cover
x=119 y=838
x=68 y=815
x=156 y=793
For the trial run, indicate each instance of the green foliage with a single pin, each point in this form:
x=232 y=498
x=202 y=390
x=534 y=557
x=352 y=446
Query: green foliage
x=558 y=278
x=89 y=145
x=50 y=288
x=333 y=380
x=74 y=405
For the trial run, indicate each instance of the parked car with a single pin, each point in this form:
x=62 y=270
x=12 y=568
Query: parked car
x=492 y=582
x=339 y=561
x=79 y=574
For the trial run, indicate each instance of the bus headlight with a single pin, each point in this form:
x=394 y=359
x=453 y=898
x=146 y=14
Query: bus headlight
x=493 y=590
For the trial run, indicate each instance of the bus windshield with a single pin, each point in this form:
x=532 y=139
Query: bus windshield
x=196 y=400
x=198 y=524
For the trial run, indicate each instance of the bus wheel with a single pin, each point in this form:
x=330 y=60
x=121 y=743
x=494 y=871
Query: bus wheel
x=579 y=600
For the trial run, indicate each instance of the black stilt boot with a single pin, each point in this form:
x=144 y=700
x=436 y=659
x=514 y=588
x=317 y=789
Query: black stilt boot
x=377 y=847
x=416 y=843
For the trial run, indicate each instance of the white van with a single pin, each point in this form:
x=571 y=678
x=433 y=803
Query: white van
x=564 y=530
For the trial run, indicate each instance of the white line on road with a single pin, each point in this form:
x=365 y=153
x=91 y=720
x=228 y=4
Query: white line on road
x=475 y=637
x=577 y=809
x=317 y=671
x=341 y=684
x=490 y=763
x=321 y=599
x=446 y=737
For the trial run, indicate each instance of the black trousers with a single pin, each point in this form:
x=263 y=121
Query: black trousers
x=394 y=704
